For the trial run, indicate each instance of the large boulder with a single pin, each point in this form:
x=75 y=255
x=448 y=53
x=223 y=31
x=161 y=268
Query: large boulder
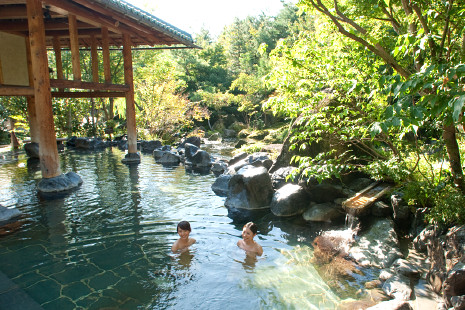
x=166 y=158
x=280 y=177
x=196 y=158
x=256 y=159
x=324 y=212
x=325 y=192
x=250 y=189
x=289 y=200
x=150 y=146
x=194 y=140
x=377 y=247
x=221 y=185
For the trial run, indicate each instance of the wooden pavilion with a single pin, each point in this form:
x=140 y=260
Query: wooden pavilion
x=29 y=27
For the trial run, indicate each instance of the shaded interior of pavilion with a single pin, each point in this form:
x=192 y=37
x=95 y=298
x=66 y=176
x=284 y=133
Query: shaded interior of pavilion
x=29 y=29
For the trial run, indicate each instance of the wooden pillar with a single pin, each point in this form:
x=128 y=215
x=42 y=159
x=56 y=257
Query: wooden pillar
x=31 y=104
x=58 y=60
x=74 y=45
x=130 y=105
x=106 y=55
x=48 y=153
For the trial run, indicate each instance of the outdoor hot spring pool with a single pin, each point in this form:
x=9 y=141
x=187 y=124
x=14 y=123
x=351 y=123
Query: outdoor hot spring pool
x=107 y=244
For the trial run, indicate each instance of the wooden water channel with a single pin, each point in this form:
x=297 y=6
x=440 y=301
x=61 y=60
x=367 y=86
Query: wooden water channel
x=360 y=204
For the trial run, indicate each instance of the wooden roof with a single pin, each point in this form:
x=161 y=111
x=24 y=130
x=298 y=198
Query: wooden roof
x=117 y=16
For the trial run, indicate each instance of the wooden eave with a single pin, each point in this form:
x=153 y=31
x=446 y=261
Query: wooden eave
x=91 y=17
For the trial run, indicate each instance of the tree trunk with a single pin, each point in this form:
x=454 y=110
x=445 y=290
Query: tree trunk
x=448 y=134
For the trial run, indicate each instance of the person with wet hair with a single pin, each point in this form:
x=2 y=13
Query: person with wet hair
x=249 y=231
x=184 y=241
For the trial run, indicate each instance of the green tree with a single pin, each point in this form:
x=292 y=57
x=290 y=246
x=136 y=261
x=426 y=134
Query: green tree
x=423 y=41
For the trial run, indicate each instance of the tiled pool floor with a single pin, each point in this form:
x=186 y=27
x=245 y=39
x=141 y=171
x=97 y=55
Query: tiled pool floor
x=12 y=297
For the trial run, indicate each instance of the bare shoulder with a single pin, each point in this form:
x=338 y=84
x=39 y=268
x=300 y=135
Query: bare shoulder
x=259 y=249
x=192 y=241
x=175 y=246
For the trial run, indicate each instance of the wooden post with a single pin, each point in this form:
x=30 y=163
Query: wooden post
x=106 y=55
x=1 y=74
x=31 y=104
x=59 y=62
x=130 y=105
x=74 y=45
x=48 y=153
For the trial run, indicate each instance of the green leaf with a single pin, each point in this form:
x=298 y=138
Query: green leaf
x=458 y=106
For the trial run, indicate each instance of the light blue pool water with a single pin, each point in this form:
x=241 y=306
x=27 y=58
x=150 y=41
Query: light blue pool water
x=107 y=244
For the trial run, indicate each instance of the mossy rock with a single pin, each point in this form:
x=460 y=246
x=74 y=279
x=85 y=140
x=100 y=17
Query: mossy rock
x=238 y=126
x=259 y=134
x=244 y=133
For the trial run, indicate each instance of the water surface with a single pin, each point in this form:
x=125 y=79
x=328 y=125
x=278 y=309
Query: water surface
x=107 y=244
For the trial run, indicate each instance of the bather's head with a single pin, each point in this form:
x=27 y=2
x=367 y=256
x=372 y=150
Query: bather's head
x=184 y=225
x=252 y=226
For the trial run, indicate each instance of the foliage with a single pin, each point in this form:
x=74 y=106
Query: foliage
x=162 y=110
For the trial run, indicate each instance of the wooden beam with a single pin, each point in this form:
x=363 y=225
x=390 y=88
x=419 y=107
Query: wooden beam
x=48 y=153
x=130 y=104
x=6 y=90
x=74 y=45
x=94 y=94
x=88 y=85
x=106 y=55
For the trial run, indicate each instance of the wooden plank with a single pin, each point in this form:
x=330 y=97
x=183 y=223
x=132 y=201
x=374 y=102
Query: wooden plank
x=88 y=85
x=106 y=55
x=6 y=90
x=74 y=45
x=359 y=204
x=95 y=94
x=130 y=105
x=48 y=153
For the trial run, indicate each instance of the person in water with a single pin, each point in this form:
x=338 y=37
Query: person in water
x=249 y=231
x=184 y=229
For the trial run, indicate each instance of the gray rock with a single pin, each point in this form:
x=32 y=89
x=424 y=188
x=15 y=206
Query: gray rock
x=215 y=137
x=378 y=247
x=279 y=177
x=405 y=268
x=218 y=167
x=32 y=149
x=238 y=158
x=59 y=183
x=150 y=146
x=421 y=241
x=131 y=158
x=168 y=158
x=398 y=287
x=392 y=305
x=257 y=159
x=8 y=213
x=289 y=200
x=190 y=150
x=221 y=185
x=250 y=189
x=454 y=284
x=325 y=192
x=191 y=140
x=381 y=209
x=324 y=212
x=400 y=208
x=229 y=134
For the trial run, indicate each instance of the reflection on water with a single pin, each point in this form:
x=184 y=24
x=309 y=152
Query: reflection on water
x=107 y=244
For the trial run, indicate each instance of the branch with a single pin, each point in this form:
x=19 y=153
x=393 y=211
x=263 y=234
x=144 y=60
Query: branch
x=377 y=49
x=424 y=25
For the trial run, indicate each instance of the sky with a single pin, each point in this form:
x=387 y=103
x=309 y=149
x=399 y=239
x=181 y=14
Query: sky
x=214 y=15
